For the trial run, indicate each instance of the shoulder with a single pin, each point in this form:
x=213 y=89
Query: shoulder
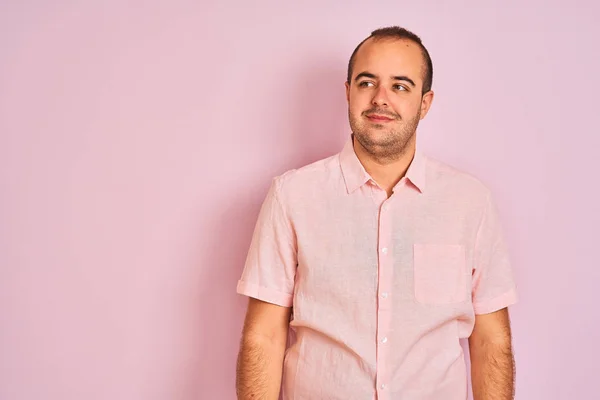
x=447 y=179
x=308 y=177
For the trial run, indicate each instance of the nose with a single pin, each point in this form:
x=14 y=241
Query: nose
x=380 y=97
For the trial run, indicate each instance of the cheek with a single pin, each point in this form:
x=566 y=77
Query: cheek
x=355 y=107
x=407 y=108
x=360 y=102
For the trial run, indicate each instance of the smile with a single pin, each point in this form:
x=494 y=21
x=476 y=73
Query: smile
x=379 y=118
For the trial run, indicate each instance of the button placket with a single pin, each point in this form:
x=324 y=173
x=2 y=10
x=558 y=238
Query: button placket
x=384 y=280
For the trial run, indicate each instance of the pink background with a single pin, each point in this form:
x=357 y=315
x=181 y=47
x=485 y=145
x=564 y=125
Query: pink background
x=137 y=143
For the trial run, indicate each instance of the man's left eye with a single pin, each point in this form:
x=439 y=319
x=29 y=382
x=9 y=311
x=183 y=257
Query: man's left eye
x=399 y=87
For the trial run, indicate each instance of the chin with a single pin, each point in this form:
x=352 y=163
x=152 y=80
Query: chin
x=375 y=138
x=379 y=134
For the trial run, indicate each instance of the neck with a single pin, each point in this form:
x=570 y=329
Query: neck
x=387 y=172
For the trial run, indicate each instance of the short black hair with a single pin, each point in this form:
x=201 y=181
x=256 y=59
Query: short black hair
x=396 y=32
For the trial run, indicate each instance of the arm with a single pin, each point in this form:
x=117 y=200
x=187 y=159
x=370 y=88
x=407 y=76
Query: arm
x=492 y=362
x=262 y=348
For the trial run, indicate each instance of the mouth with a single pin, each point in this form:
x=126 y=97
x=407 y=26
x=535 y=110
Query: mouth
x=379 y=118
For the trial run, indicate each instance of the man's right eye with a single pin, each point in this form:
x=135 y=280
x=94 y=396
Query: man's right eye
x=365 y=83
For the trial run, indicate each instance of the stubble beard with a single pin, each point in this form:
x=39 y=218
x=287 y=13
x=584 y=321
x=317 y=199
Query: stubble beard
x=391 y=143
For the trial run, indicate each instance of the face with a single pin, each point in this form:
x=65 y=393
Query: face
x=385 y=101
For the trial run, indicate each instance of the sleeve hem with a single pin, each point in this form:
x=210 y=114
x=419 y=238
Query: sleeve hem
x=495 y=304
x=264 y=294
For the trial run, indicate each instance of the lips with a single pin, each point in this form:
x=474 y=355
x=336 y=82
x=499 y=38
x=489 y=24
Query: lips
x=379 y=118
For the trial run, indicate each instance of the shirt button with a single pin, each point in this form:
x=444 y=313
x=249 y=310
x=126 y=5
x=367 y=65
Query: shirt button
x=382 y=386
x=384 y=250
x=384 y=340
x=384 y=295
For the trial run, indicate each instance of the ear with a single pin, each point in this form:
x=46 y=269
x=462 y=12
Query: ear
x=347 y=91
x=426 y=101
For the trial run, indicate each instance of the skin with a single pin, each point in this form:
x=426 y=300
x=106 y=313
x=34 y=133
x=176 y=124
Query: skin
x=385 y=105
x=492 y=361
x=262 y=349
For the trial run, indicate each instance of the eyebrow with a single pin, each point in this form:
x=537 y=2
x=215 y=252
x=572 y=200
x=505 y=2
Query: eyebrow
x=396 y=78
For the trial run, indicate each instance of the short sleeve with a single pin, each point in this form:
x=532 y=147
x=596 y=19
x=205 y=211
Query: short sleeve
x=270 y=267
x=493 y=282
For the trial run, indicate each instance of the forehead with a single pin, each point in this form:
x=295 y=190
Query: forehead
x=390 y=57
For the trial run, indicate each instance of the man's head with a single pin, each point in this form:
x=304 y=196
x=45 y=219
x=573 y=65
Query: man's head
x=388 y=90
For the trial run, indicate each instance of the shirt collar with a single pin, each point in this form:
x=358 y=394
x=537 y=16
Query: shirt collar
x=355 y=174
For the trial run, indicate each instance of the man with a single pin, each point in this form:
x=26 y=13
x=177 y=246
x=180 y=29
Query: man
x=379 y=259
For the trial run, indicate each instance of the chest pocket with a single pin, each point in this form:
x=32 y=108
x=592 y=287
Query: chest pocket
x=440 y=273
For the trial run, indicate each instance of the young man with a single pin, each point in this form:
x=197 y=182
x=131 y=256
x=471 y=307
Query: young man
x=379 y=258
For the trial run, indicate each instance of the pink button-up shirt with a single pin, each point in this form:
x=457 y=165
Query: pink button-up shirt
x=382 y=289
